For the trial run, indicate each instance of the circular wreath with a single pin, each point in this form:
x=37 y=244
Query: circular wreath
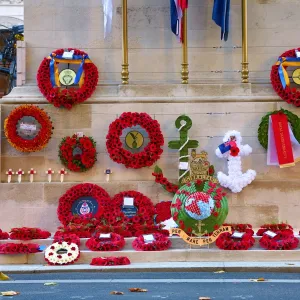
x=67 y=97
x=199 y=203
x=110 y=261
x=62 y=253
x=263 y=128
x=275 y=228
x=28 y=233
x=161 y=242
x=115 y=243
x=78 y=154
x=288 y=94
x=66 y=237
x=14 y=120
x=145 y=210
x=226 y=242
x=150 y=154
x=66 y=201
x=284 y=240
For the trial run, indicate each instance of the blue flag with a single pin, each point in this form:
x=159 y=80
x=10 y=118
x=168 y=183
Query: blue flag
x=174 y=17
x=220 y=15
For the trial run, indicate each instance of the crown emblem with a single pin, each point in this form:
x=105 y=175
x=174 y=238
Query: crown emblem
x=199 y=164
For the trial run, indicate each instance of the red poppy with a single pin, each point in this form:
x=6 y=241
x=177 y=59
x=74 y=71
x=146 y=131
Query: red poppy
x=234 y=151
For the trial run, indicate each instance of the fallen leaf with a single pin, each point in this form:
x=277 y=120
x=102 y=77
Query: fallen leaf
x=204 y=298
x=218 y=272
x=258 y=279
x=50 y=283
x=116 y=293
x=3 y=276
x=137 y=290
x=9 y=293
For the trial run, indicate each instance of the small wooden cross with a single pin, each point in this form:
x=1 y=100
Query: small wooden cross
x=31 y=173
x=9 y=173
x=107 y=172
x=20 y=173
x=62 y=173
x=49 y=173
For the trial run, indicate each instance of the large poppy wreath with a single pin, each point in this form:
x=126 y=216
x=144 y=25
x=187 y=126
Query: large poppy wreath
x=48 y=83
x=280 y=78
x=149 y=155
x=78 y=154
x=28 y=128
x=82 y=191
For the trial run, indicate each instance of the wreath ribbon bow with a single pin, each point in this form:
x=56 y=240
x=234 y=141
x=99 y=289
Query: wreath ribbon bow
x=282 y=72
x=76 y=59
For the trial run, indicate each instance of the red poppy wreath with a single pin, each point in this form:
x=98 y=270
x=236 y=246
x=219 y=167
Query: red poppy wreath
x=114 y=242
x=78 y=154
x=49 y=79
x=82 y=199
x=280 y=78
x=28 y=128
x=148 y=155
x=284 y=240
x=160 y=242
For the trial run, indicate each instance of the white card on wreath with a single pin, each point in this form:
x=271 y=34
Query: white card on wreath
x=183 y=165
x=68 y=55
x=79 y=134
x=148 y=238
x=297 y=53
x=105 y=236
x=237 y=235
x=270 y=233
x=128 y=201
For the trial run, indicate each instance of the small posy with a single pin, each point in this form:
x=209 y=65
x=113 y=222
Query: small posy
x=9 y=293
x=137 y=290
x=116 y=293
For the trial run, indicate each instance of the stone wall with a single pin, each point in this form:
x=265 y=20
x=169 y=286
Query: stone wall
x=155 y=54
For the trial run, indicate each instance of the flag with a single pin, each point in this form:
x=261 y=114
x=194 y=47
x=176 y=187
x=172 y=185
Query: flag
x=177 y=7
x=108 y=13
x=220 y=15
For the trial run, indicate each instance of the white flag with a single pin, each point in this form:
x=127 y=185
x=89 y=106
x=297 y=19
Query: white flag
x=108 y=12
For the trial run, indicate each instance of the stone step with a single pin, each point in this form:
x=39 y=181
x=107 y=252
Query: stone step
x=177 y=243
x=171 y=255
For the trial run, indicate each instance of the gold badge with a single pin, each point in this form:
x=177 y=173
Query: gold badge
x=67 y=77
x=134 y=140
x=296 y=76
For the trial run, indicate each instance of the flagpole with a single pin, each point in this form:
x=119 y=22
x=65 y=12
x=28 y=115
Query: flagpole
x=245 y=63
x=125 y=65
x=185 y=64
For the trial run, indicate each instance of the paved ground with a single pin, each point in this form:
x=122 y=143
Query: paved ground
x=171 y=286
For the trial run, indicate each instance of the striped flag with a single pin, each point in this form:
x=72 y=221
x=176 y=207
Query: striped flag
x=177 y=7
x=108 y=13
x=220 y=15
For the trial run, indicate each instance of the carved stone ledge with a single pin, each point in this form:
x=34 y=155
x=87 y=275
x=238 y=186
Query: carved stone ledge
x=11 y=2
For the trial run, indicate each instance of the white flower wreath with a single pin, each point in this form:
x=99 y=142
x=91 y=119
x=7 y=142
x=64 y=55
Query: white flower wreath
x=62 y=253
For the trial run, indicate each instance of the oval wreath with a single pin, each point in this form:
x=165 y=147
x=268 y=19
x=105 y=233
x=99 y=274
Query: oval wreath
x=284 y=240
x=145 y=210
x=48 y=82
x=78 y=154
x=199 y=207
x=226 y=242
x=28 y=128
x=160 y=243
x=115 y=243
x=62 y=253
x=263 y=128
x=150 y=154
x=280 y=79
x=85 y=189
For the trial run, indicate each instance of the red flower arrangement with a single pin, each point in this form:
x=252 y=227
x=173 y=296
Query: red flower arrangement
x=85 y=189
x=66 y=237
x=12 y=248
x=78 y=154
x=274 y=227
x=110 y=261
x=284 y=240
x=27 y=233
x=226 y=242
x=163 y=211
x=161 y=242
x=115 y=243
x=67 y=97
x=150 y=153
x=3 y=235
x=82 y=231
x=288 y=94
x=239 y=227
x=234 y=151
x=163 y=181
x=40 y=140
